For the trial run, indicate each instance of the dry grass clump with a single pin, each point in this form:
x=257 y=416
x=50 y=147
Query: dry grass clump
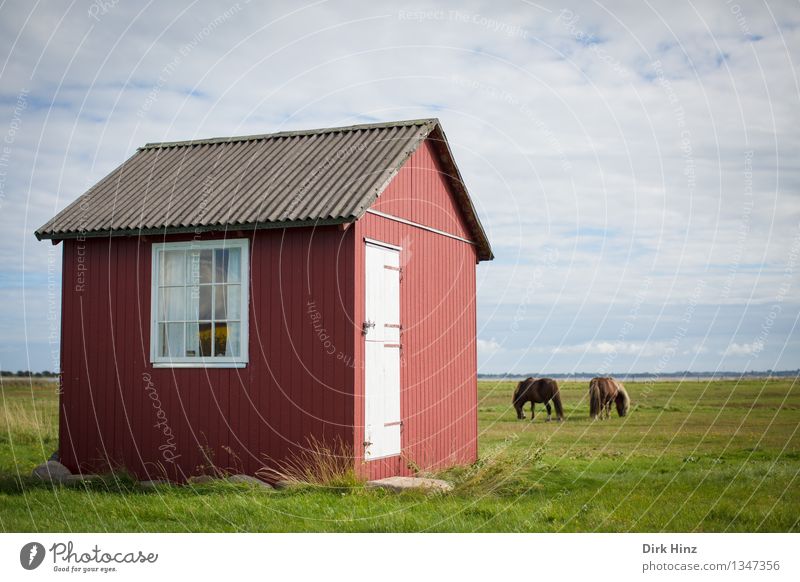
x=319 y=463
x=505 y=472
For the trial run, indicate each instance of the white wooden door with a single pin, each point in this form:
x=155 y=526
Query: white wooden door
x=382 y=352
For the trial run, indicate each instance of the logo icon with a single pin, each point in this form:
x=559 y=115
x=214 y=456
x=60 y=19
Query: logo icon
x=31 y=555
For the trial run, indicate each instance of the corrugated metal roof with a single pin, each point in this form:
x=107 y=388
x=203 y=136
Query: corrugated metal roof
x=295 y=178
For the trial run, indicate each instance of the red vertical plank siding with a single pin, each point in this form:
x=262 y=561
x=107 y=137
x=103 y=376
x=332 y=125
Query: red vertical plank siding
x=91 y=329
x=69 y=369
x=437 y=306
x=140 y=336
x=290 y=391
x=106 y=391
x=144 y=374
x=118 y=337
x=78 y=391
x=111 y=380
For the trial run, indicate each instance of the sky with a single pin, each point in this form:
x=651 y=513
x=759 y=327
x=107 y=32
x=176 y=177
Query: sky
x=635 y=164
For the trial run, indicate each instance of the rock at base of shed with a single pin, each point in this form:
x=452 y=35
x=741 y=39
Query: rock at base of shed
x=201 y=479
x=399 y=484
x=81 y=479
x=248 y=479
x=51 y=471
x=153 y=483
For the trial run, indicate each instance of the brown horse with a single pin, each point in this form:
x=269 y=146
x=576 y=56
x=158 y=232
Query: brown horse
x=541 y=390
x=604 y=391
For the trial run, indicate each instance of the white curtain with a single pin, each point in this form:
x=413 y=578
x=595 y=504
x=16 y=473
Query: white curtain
x=234 y=269
x=233 y=301
x=173 y=268
x=171 y=303
x=234 y=333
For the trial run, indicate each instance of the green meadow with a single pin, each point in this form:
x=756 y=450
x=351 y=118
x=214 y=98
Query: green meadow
x=719 y=456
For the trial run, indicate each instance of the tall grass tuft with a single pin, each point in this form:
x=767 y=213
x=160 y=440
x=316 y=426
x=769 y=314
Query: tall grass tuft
x=319 y=463
x=502 y=472
x=22 y=424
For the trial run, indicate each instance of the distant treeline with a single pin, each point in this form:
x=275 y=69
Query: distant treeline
x=647 y=376
x=28 y=374
x=579 y=375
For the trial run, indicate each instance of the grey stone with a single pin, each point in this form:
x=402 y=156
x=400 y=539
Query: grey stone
x=250 y=480
x=200 y=479
x=51 y=471
x=153 y=483
x=399 y=484
x=81 y=479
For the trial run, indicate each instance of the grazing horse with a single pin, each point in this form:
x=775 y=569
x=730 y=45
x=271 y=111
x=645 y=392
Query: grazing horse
x=541 y=390
x=604 y=391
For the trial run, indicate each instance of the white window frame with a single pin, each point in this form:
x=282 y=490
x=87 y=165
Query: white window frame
x=200 y=361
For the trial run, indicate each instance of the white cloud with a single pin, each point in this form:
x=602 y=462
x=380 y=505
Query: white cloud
x=643 y=349
x=752 y=349
x=488 y=347
x=696 y=349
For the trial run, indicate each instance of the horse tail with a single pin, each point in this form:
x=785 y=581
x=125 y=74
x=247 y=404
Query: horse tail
x=557 y=404
x=623 y=401
x=594 y=397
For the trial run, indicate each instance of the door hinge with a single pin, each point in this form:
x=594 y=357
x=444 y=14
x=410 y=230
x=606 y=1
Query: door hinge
x=393 y=268
x=366 y=325
x=366 y=444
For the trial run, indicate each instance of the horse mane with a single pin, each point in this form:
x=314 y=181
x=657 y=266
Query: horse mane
x=623 y=401
x=517 y=390
x=595 y=401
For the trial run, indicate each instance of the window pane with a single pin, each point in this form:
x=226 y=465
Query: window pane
x=204 y=334
x=204 y=265
x=233 y=306
x=193 y=268
x=227 y=265
x=192 y=340
x=220 y=339
x=228 y=302
x=220 y=265
x=162 y=339
x=233 y=348
x=192 y=303
x=171 y=339
x=233 y=270
x=171 y=304
x=219 y=301
x=204 y=307
x=172 y=268
x=226 y=339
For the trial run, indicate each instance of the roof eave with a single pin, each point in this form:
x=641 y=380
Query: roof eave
x=197 y=229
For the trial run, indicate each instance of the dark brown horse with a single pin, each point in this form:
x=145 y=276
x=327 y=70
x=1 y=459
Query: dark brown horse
x=604 y=391
x=541 y=390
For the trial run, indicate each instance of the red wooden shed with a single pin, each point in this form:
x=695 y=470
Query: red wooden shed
x=227 y=300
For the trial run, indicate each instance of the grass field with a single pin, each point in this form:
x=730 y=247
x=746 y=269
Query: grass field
x=708 y=456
